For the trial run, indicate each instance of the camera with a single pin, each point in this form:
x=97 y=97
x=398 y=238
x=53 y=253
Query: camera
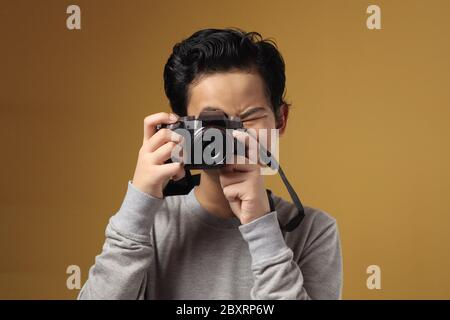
x=208 y=139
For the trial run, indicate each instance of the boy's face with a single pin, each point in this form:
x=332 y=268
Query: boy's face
x=236 y=93
x=241 y=94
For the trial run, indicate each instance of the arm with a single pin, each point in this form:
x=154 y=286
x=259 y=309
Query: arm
x=278 y=276
x=121 y=269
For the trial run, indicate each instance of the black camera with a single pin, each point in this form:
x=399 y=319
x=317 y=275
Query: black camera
x=208 y=139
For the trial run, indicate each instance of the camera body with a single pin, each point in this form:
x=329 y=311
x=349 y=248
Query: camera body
x=208 y=140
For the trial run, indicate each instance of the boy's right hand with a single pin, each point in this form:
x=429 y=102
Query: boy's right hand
x=152 y=174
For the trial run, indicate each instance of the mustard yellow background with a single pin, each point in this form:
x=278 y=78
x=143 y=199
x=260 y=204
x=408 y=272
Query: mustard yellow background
x=368 y=139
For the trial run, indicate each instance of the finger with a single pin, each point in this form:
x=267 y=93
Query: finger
x=161 y=137
x=151 y=121
x=164 y=152
x=170 y=170
x=230 y=178
x=231 y=193
x=251 y=144
x=179 y=175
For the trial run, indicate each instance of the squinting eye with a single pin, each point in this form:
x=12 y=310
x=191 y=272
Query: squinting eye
x=254 y=119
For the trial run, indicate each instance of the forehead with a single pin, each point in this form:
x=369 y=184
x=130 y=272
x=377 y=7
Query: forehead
x=231 y=91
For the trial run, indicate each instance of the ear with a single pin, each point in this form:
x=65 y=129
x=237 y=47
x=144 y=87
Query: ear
x=283 y=114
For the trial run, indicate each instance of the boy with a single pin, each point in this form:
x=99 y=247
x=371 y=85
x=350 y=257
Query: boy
x=221 y=240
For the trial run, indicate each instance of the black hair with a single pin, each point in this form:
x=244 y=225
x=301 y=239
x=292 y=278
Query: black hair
x=209 y=51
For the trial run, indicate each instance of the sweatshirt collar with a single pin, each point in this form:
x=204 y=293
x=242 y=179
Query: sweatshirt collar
x=210 y=219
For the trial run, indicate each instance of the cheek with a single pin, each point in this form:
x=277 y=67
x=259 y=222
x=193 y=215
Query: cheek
x=268 y=138
x=264 y=130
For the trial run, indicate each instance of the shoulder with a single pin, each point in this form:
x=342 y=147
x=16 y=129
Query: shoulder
x=316 y=222
x=287 y=210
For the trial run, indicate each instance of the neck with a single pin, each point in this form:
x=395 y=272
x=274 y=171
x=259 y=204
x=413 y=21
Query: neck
x=210 y=195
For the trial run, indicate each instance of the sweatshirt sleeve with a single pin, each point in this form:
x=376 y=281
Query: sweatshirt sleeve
x=278 y=276
x=120 y=271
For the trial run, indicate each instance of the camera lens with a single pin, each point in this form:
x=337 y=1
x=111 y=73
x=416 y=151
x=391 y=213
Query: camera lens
x=210 y=146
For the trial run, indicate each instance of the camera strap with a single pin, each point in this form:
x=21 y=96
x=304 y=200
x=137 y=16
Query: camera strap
x=295 y=221
x=186 y=184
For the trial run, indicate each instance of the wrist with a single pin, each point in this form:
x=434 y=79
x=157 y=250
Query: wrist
x=264 y=238
x=253 y=212
x=247 y=218
x=154 y=192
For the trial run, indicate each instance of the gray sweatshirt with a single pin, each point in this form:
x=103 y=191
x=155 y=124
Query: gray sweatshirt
x=172 y=248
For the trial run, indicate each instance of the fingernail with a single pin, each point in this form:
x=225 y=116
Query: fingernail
x=179 y=138
x=173 y=117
